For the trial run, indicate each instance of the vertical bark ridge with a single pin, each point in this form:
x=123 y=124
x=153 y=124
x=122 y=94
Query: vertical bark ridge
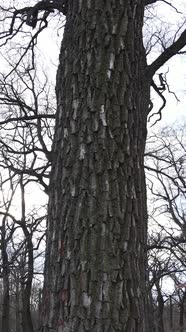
x=95 y=259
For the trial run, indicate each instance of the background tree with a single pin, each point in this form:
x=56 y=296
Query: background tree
x=165 y=164
x=25 y=159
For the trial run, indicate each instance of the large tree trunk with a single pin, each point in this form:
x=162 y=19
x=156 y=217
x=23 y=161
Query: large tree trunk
x=96 y=240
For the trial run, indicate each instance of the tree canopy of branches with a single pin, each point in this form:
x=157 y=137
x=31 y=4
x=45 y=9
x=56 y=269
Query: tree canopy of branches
x=26 y=128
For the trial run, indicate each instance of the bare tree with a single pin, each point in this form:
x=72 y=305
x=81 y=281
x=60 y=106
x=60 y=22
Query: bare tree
x=166 y=173
x=26 y=131
x=165 y=167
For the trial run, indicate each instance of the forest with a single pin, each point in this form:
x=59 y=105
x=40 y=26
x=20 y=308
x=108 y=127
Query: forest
x=92 y=170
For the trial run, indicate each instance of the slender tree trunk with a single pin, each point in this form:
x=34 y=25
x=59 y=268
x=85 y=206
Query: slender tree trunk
x=40 y=307
x=27 y=319
x=6 y=302
x=181 y=316
x=18 y=305
x=150 y=316
x=96 y=240
x=160 y=308
x=5 y=326
x=26 y=294
x=171 y=313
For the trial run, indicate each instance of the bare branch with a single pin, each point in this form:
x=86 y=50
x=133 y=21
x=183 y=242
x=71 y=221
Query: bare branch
x=166 y=55
x=159 y=92
x=27 y=118
x=150 y=2
x=31 y=13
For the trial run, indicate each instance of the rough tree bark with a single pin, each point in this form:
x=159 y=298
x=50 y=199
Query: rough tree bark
x=97 y=219
x=95 y=266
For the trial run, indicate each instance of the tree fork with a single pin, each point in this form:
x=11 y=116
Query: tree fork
x=97 y=222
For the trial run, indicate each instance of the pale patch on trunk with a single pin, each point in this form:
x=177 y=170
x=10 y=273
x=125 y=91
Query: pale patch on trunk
x=114 y=29
x=86 y=300
x=109 y=72
x=83 y=265
x=80 y=5
x=68 y=254
x=103 y=231
x=73 y=126
x=65 y=132
x=75 y=105
x=73 y=191
x=89 y=58
x=122 y=45
x=93 y=184
x=125 y=245
x=133 y=192
x=82 y=152
x=89 y=4
x=98 y=309
x=111 y=62
x=103 y=116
